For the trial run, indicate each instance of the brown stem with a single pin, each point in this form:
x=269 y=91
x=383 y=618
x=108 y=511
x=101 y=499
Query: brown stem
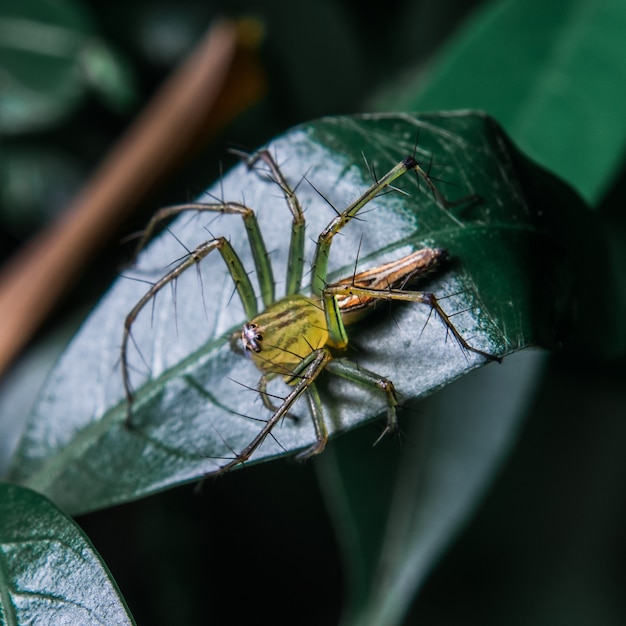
x=39 y=274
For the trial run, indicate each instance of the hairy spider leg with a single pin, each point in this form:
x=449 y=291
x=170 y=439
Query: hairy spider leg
x=295 y=263
x=305 y=374
x=319 y=268
x=238 y=274
x=333 y=291
x=257 y=245
x=345 y=368
x=260 y=256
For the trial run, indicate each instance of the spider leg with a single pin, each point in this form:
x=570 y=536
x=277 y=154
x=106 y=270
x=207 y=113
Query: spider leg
x=322 y=249
x=306 y=374
x=257 y=244
x=266 y=398
x=295 y=264
x=262 y=389
x=317 y=414
x=423 y=297
x=351 y=371
x=237 y=272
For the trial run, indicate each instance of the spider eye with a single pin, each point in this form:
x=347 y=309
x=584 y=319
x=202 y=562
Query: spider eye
x=250 y=338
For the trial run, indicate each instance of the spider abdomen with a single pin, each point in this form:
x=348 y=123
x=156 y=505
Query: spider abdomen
x=278 y=339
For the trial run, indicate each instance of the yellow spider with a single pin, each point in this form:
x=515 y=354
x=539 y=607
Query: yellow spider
x=297 y=337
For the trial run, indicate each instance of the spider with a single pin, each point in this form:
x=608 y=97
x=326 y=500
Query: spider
x=297 y=337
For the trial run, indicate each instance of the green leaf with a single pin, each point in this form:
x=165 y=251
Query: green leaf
x=49 y=571
x=50 y=56
x=553 y=74
x=509 y=286
x=109 y=74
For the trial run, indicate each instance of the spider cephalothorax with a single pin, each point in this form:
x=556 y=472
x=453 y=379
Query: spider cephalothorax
x=278 y=339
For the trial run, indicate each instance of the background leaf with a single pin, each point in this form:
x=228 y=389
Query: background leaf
x=189 y=413
x=49 y=571
x=557 y=84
